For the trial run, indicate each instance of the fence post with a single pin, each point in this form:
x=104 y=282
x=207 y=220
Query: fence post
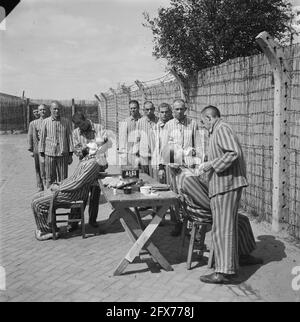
x=279 y=60
x=142 y=91
x=73 y=106
x=182 y=84
x=116 y=117
x=100 y=112
x=104 y=107
x=27 y=114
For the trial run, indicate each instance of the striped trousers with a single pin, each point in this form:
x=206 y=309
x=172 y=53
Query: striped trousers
x=40 y=206
x=222 y=210
x=40 y=173
x=224 y=233
x=56 y=169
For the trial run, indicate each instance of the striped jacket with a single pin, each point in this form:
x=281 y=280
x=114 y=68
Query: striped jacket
x=81 y=139
x=184 y=135
x=146 y=138
x=127 y=134
x=34 y=134
x=225 y=152
x=77 y=186
x=56 y=137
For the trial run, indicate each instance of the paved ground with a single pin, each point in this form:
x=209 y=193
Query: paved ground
x=73 y=269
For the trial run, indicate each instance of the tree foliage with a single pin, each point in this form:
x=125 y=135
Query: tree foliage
x=195 y=34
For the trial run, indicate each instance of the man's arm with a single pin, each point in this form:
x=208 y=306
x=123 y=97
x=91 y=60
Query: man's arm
x=70 y=138
x=123 y=137
x=91 y=172
x=30 y=137
x=42 y=142
x=229 y=144
x=77 y=144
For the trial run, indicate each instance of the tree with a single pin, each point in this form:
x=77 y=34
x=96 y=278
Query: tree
x=195 y=34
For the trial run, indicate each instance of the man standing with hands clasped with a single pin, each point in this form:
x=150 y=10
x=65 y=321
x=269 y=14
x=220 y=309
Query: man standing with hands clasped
x=56 y=145
x=227 y=176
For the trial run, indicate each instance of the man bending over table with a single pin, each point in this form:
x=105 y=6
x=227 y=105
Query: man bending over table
x=194 y=190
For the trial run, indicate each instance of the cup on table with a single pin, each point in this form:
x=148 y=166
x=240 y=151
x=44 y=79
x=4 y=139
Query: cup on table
x=145 y=190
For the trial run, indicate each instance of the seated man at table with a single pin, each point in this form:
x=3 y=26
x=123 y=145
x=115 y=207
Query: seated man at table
x=74 y=188
x=194 y=190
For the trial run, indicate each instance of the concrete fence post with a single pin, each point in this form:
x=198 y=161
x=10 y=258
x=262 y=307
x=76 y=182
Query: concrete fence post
x=278 y=58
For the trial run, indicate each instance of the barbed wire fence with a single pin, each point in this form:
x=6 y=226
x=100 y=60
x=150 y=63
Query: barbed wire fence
x=243 y=90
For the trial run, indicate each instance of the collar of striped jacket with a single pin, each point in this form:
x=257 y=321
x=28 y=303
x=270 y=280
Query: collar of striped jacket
x=214 y=126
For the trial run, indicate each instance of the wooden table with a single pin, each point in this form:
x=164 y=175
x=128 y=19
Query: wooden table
x=126 y=210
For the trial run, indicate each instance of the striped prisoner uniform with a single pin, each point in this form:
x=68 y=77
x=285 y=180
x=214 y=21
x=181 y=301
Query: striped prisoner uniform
x=34 y=133
x=57 y=144
x=146 y=141
x=184 y=134
x=226 y=181
x=127 y=140
x=195 y=192
x=74 y=188
x=80 y=141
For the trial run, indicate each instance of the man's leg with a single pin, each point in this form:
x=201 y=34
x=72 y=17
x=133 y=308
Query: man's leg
x=43 y=171
x=40 y=206
x=50 y=167
x=94 y=204
x=62 y=167
x=38 y=172
x=225 y=231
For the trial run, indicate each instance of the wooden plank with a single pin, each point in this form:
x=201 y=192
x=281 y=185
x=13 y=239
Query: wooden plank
x=149 y=246
x=144 y=237
x=121 y=267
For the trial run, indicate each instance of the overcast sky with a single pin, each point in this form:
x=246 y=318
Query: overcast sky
x=77 y=48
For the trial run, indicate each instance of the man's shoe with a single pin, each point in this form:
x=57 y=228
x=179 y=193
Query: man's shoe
x=93 y=224
x=40 y=236
x=177 y=229
x=71 y=228
x=216 y=278
x=247 y=260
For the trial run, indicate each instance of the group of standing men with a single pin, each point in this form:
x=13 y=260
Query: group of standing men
x=150 y=142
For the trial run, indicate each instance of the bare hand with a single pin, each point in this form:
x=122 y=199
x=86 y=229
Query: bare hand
x=32 y=154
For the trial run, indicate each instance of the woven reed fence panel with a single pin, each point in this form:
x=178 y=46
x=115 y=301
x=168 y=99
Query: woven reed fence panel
x=242 y=89
x=12 y=113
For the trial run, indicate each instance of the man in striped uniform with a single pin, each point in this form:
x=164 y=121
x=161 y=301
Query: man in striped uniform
x=56 y=145
x=183 y=140
x=74 y=188
x=165 y=115
x=85 y=132
x=226 y=170
x=194 y=189
x=184 y=136
x=146 y=142
x=34 y=133
x=127 y=135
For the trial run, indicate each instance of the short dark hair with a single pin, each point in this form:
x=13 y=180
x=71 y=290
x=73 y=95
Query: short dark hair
x=56 y=102
x=166 y=105
x=148 y=102
x=179 y=100
x=78 y=116
x=213 y=111
x=134 y=102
